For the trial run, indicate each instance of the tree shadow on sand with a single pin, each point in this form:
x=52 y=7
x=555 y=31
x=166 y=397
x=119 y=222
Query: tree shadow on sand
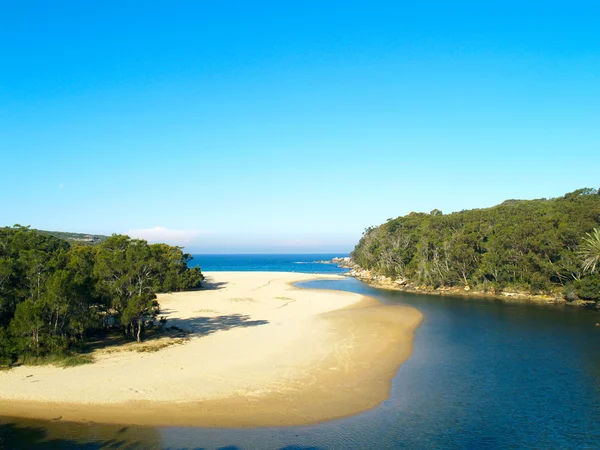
x=114 y=338
x=176 y=329
x=209 y=285
x=204 y=326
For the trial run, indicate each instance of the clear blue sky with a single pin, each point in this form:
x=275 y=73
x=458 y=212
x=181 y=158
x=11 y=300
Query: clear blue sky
x=289 y=127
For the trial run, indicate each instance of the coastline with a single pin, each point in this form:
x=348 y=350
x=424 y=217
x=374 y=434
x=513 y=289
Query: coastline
x=383 y=282
x=262 y=352
x=508 y=297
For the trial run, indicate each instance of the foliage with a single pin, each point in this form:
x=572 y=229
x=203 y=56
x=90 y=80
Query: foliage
x=59 y=359
x=590 y=251
x=53 y=293
x=533 y=245
x=588 y=288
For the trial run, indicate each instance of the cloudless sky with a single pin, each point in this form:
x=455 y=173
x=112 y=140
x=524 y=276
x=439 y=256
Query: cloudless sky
x=289 y=126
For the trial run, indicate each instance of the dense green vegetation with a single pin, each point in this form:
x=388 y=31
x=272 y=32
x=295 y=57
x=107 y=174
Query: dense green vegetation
x=54 y=293
x=536 y=246
x=80 y=238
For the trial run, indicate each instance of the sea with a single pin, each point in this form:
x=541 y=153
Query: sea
x=484 y=374
x=303 y=263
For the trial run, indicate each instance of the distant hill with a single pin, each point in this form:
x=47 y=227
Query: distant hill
x=83 y=238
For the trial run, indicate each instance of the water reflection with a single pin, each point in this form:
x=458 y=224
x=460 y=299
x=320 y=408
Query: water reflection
x=35 y=434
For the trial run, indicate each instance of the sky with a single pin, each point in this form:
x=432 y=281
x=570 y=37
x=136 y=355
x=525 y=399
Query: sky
x=289 y=127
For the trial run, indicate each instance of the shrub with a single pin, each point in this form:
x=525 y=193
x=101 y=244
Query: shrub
x=588 y=288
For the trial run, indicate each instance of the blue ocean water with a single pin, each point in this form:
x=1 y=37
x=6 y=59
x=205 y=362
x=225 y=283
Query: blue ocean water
x=303 y=263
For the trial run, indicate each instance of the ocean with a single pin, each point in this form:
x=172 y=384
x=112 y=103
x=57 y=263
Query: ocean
x=303 y=263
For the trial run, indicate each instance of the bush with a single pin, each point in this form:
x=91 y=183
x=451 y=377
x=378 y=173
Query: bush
x=588 y=288
x=570 y=293
x=77 y=360
x=539 y=284
x=64 y=360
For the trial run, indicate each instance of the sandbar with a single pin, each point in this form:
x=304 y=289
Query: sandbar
x=260 y=352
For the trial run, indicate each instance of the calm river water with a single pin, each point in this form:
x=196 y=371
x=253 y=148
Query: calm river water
x=483 y=375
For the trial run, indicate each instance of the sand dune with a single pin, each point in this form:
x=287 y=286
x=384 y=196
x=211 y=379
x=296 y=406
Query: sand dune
x=260 y=352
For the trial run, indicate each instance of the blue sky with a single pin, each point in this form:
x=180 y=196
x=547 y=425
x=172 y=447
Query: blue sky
x=289 y=127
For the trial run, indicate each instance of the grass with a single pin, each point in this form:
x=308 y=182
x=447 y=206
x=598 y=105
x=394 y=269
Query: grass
x=158 y=345
x=155 y=339
x=56 y=360
x=77 y=360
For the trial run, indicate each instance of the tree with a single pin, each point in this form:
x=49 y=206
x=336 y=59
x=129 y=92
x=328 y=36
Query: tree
x=54 y=293
x=124 y=270
x=27 y=325
x=140 y=309
x=129 y=272
x=590 y=251
x=524 y=245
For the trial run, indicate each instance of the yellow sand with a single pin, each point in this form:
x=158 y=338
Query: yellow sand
x=261 y=352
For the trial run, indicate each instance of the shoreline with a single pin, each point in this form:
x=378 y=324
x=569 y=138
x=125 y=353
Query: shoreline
x=284 y=356
x=382 y=282
x=508 y=297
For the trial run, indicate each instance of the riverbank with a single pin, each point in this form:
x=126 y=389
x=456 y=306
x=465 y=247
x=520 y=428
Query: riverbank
x=383 y=282
x=260 y=352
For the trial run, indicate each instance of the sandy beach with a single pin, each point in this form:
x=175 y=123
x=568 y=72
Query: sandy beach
x=260 y=352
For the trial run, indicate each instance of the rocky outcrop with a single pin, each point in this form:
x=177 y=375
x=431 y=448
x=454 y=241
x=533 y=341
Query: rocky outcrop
x=343 y=262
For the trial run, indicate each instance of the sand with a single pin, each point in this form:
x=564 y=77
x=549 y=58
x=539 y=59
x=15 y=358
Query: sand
x=260 y=352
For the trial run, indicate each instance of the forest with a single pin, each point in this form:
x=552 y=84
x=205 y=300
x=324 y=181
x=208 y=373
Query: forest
x=534 y=246
x=54 y=293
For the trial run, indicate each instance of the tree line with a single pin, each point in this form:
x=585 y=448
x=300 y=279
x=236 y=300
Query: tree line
x=54 y=294
x=536 y=246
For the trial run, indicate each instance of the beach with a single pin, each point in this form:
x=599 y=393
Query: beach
x=258 y=352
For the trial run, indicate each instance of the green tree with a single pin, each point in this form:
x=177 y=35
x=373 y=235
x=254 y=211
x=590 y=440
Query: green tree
x=129 y=272
x=524 y=245
x=54 y=293
x=590 y=251
x=27 y=326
